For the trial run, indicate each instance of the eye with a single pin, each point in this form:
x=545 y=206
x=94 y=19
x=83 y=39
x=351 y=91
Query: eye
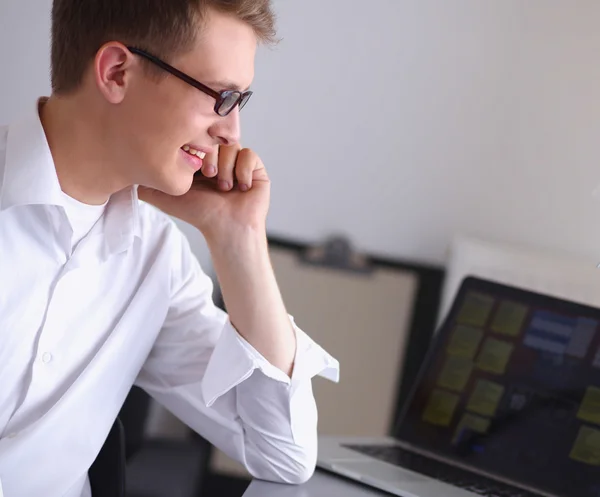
x=230 y=99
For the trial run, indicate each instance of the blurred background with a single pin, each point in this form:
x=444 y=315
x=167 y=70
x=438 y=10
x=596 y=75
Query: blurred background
x=431 y=139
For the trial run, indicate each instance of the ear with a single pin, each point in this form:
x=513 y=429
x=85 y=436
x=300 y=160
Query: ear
x=112 y=69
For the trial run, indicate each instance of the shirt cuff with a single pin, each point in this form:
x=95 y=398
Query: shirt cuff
x=234 y=360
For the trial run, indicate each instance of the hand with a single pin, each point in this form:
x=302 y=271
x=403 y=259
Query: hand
x=216 y=205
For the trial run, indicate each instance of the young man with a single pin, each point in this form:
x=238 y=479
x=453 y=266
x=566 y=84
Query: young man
x=100 y=291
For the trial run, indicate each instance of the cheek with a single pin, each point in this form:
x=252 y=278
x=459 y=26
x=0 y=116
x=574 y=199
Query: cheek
x=157 y=110
x=199 y=113
x=161 y=135
x=164 y=121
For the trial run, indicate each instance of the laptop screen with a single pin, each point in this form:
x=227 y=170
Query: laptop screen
x=512 y=386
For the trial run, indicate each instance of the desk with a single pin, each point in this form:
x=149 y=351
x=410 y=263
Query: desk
x=322 y=484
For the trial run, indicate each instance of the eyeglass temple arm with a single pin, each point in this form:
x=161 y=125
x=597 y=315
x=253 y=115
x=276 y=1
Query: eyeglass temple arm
x=175 y=72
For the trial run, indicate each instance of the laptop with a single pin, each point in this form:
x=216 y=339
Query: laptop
x=507 y=403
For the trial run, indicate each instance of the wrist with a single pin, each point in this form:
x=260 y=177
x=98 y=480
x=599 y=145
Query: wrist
x=237 y=242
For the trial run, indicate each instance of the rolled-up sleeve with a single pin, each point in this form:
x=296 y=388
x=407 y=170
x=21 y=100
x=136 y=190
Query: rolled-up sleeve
x=209 y=376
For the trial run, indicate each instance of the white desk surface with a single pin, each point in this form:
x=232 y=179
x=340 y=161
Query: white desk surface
x=322 y=484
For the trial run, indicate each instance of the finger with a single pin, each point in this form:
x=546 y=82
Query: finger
x=260 y=172
x=227 y=160
x=210 y=164
x=247 y=162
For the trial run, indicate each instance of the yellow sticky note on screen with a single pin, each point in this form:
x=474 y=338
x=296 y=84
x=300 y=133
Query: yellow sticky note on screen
x=464 y=341
x=470 y=422
x=455 y=373
x=485 y=397
x=440 y=408
x=509 y=318
x=475 y=309
x=494 y=356
x=586 y=448
x=590 y=406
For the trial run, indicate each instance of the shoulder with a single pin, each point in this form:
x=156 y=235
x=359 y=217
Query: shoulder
x=162 y=233
x=164 y=239
x=155 y=225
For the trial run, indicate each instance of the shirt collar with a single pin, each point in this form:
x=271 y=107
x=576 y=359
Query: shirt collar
x=122 y=220
x=30 y=179
x=29 y=172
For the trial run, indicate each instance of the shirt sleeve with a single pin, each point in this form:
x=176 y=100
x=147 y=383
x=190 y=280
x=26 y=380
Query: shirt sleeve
x=204 y=372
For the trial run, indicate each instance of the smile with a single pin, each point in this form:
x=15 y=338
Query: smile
x=192 y=151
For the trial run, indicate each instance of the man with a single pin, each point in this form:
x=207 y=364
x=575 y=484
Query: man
x=100 y=291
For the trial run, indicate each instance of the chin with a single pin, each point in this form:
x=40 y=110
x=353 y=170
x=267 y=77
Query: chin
x=176 y=182
x=177 y=188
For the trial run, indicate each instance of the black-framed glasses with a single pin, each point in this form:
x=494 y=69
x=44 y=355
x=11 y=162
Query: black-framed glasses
x=225 y=100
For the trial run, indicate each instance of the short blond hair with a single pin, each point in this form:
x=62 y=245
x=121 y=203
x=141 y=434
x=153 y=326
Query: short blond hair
x=163 y=27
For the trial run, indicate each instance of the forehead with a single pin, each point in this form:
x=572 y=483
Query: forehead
x=224 y=51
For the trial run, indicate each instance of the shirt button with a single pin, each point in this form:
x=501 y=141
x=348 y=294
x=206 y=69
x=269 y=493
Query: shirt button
x=47 y=357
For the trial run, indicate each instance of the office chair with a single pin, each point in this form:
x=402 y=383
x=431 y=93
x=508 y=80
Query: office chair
x=107 y=473
x=133 y=465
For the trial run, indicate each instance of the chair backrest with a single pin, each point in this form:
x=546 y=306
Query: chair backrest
x=107 y=473
x=134 y=414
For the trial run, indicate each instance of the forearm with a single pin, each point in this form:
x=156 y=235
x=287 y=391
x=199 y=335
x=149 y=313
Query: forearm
x=252 y=297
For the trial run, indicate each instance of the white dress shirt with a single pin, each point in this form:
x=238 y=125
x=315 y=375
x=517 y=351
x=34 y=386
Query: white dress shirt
x=80 y=323
x=82 y=217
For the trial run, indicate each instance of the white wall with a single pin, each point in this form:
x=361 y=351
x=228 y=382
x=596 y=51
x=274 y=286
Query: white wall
x=490 y=126
x=402 y=122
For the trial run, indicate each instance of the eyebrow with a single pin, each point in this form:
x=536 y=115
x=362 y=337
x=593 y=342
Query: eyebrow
x=226 y=85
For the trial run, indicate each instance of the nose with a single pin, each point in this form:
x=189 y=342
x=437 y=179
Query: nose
x=226 y=130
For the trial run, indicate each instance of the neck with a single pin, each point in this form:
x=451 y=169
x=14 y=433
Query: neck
x=84 y=166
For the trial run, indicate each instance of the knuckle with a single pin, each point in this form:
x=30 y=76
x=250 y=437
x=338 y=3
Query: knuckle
x=247 y=153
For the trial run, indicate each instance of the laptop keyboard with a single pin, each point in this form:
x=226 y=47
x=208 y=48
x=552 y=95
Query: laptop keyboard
x=441 y=471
